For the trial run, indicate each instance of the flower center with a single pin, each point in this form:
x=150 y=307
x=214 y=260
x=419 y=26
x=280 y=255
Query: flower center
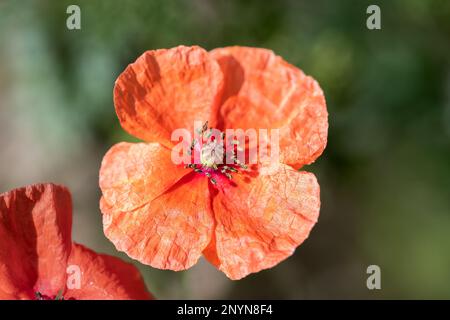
x=213 y=155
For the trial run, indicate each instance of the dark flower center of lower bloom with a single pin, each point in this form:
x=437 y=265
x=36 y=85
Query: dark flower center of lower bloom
x=214 y=155
x=59 y=296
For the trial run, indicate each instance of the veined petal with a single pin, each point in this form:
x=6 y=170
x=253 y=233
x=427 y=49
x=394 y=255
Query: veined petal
x=35 y=232
x=261 y=217
x=262 y=91
x=133 y=174
x=165 y=90
x=103 y=277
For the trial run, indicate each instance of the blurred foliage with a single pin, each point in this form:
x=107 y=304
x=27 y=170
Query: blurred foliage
x=385 y=175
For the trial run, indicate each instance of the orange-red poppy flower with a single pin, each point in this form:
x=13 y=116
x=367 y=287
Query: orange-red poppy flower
x=167 y=215
x=38 y=259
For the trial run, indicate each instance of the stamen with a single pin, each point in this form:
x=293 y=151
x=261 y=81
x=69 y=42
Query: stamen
x=59 y=296
x=213 y=155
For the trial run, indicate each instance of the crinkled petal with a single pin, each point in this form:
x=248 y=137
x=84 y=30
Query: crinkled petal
x=133 y=174
x=165 y=90
x=35 y=233
x=261 y=217
x=262 y=91
x=93 y=276
x=170 y=232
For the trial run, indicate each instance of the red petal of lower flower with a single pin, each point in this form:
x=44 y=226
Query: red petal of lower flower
x=104 y=277
x=167 y=89
x=35 y=233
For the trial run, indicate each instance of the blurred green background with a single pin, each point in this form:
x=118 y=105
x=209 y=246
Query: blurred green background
x=384 y=177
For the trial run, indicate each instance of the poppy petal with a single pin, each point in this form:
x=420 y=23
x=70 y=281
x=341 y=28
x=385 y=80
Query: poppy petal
x=133 y=174
x=170 y=232
x=103 y=277
x=35 y=232
x=165 y=90
x=262 y=91
x=261 y=217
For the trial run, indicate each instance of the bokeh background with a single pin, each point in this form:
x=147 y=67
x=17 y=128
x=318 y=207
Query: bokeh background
x=385 y=175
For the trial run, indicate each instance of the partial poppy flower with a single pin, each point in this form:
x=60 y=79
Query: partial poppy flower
x=242 y=218
x=39 y=261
